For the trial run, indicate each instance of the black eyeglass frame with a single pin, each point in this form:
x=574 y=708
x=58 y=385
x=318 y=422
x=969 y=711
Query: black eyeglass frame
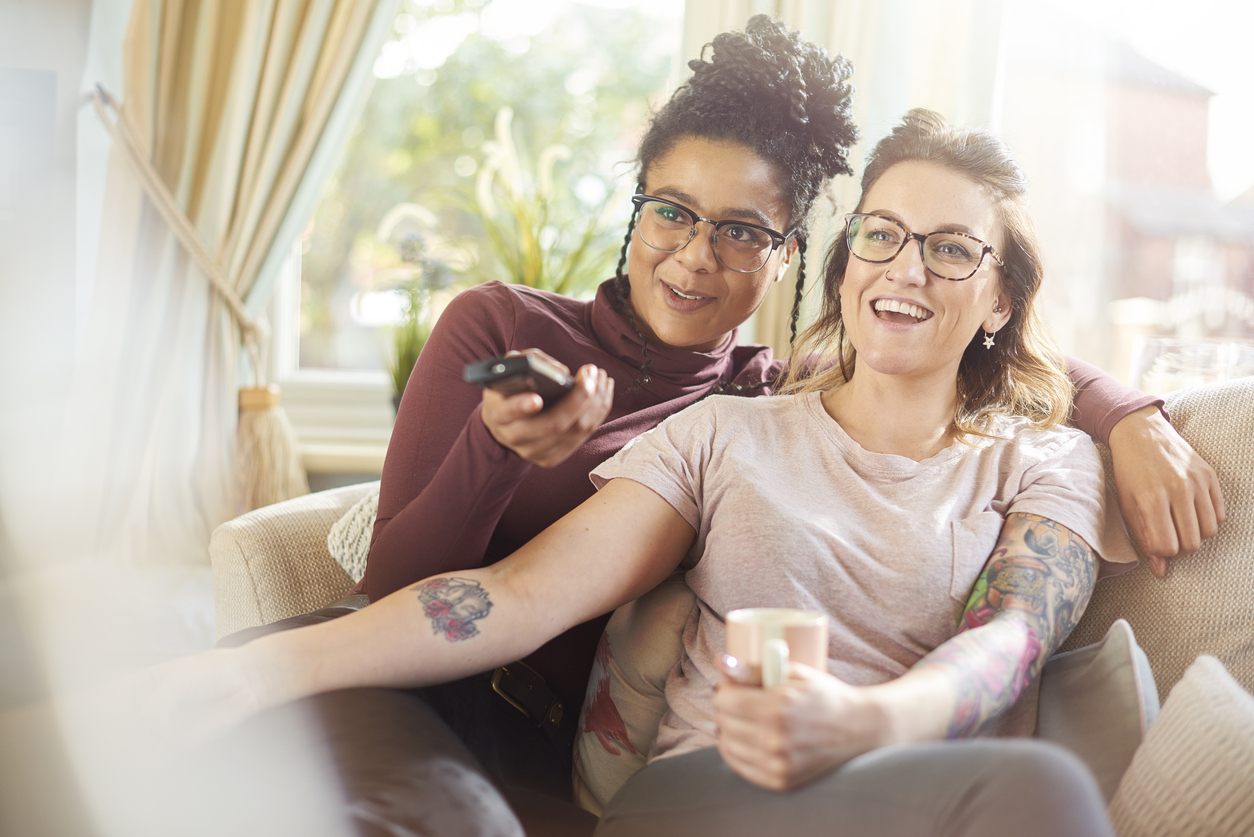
x=777 y=238
x=985 y=249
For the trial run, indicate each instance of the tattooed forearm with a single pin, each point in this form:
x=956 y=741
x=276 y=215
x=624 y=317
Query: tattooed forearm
x=1032 y=592
x=990 y=669
x=453 y=605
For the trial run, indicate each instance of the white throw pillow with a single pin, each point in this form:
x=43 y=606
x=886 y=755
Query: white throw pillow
x=349 y=538
x=1194 y=775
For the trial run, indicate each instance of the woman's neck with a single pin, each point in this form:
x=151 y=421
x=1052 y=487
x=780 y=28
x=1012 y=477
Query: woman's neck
x=888 y=414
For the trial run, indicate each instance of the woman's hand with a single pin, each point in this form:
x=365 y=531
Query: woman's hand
x=784 y=737
x=193 y=700
x=1169 y=496
x=549 y=437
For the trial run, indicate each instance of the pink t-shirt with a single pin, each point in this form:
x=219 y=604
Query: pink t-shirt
x=791 y=512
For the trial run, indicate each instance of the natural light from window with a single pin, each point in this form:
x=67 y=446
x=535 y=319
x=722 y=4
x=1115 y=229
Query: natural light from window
x=492 y=127
x=1133 y=121
x=497 y=141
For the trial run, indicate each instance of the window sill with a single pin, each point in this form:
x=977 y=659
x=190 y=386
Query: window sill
x=329 y=458
x=342 y=420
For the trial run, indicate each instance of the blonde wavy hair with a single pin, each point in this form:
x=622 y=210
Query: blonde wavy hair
x=1024 y=374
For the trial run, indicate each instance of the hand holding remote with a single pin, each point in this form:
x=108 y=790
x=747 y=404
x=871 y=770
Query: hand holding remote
x=548 y=436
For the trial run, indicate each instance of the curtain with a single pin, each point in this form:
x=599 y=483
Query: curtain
x=905 y=54
x=232 y=101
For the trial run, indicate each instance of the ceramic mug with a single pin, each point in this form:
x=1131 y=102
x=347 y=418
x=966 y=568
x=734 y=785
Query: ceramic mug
x=765 y=639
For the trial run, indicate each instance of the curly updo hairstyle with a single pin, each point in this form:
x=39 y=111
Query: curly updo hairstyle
x=772 y=92
x=1024 y=374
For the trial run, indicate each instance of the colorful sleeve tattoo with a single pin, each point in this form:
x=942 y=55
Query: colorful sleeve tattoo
x=1032 y=592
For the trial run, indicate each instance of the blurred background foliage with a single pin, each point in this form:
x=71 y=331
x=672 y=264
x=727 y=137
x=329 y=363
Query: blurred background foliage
x=575 y=95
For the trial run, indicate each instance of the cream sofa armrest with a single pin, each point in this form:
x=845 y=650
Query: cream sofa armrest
x=273 y=563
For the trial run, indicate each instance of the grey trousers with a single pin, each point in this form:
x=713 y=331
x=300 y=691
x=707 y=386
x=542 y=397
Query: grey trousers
x=1020 y=787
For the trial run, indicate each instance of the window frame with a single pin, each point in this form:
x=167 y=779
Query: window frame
x=342 y=418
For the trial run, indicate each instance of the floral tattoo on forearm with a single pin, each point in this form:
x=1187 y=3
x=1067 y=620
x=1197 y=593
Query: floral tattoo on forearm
x=1032 y=592
x=453 y=605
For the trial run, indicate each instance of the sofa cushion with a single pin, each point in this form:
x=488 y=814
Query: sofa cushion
x=1098 y=701
x=626 y=692
x=1205 y=605
x=1193 y=775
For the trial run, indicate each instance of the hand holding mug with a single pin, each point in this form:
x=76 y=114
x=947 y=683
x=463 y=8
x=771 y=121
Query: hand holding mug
x=790 y=732
x=763 y=640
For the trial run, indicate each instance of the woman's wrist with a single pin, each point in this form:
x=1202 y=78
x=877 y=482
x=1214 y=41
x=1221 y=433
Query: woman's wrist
x=886 y=714
x=1138 y=423
x=918 y=706
x=869 y=717
x=274 y=669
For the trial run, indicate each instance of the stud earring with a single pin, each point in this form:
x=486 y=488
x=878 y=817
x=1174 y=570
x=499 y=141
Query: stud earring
x=997 y=308
x=988 y=339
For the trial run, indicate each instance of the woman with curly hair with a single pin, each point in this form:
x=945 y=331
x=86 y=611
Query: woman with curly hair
x=729 y=170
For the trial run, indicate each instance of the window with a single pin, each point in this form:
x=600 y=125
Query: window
x=489 y=121
x=1132 y=122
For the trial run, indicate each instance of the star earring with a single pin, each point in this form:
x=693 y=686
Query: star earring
x=988 y=335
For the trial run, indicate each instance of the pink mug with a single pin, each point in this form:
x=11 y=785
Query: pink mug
x=765 y=639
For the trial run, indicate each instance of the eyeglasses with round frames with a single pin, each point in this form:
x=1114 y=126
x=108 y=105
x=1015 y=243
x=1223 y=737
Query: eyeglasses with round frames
x=738 y=245
x=948 y=255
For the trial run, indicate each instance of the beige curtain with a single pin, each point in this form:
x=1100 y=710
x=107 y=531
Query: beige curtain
x=233 y=96
x=906 y=54
x=229 y=101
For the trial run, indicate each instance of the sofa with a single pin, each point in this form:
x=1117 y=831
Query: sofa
x=1190 y=770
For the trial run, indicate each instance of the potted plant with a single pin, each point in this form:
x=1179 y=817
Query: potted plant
x=535 y=234
x=428 y=273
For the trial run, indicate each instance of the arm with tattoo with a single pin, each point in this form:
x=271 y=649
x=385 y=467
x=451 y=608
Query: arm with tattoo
x=453 y=605
x=1032 y=592
x=615 y=546
x=1034 y=587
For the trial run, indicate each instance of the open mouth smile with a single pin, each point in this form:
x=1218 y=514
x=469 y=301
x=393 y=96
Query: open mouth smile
x=682 y=295
x=902 y=313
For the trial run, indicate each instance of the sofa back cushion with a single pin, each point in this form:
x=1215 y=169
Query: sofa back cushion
x=1205 y=605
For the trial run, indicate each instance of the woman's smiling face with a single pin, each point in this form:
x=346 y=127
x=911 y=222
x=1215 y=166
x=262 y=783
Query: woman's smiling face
x=901 y=318
x=687 y=299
